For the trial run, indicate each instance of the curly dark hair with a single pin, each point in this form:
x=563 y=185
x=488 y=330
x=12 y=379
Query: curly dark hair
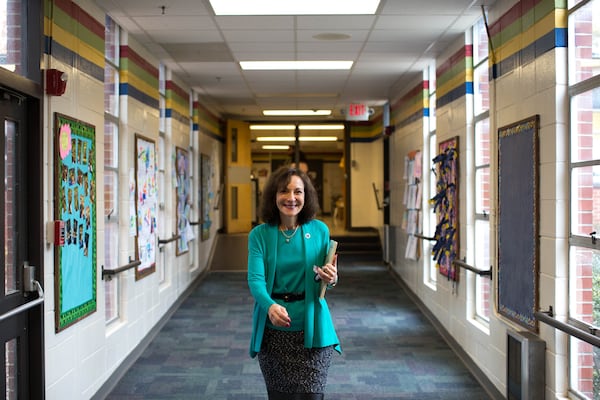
x=278 y=180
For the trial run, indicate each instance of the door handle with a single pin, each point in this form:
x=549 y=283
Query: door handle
x=29 y=285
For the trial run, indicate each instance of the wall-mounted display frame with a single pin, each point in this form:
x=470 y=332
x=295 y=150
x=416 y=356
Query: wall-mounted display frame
x=146 y=193
x=445 y=202
x=206 y=196
x=518 y=222
x=183 y=194
x=411 y=221
x=75 y=266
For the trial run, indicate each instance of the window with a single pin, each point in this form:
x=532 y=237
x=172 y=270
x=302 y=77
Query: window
x=584 y=251
x=111 y=169
x=481 y=146
x=161 y=218
x=429 y=222
x=194 y=214
x=20 y=37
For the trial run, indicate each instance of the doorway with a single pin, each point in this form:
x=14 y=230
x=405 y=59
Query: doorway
x=21 y=295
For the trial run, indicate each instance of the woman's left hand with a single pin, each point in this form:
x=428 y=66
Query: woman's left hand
x=328 y=273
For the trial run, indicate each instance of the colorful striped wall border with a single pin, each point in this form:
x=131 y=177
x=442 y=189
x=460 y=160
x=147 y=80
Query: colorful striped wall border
x=411 y=107
x=178 y=103
x=138 y=78
x=526 y=31
x=367 y=131
x=74 y=37
x=207 y=123
x=455 y=77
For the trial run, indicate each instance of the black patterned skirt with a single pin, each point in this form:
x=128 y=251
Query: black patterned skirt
x=289 y=367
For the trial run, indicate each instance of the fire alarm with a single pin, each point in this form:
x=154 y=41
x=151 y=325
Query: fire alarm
x=56 y=82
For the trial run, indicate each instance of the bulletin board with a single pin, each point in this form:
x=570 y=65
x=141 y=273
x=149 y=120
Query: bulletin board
x=75 y=205
x=206 y=195
x=445 y=204
x=146 y=194
x=185 y=232
x=518 y=242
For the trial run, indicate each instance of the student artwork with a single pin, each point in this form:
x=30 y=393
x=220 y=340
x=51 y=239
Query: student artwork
x=206 y=195
x=185 y=232
x=146 y=203
x=412 y=201
x=445 y=206
x=75 y=187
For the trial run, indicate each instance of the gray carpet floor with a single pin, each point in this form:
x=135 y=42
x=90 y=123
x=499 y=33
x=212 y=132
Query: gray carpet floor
x=390 y=349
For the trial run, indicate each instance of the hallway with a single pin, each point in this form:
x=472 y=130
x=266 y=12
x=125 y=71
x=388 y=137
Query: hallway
x=390 y=349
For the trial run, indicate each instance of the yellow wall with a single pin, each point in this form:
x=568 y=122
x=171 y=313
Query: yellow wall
x=238 y=213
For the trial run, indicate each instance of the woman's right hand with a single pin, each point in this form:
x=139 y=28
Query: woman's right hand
x=279 y=316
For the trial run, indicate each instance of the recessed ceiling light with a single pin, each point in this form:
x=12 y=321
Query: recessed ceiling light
x=305 y=127
x=296 y=65
x=272 y=127
x=324 y=127
x=275 y=139
x=301 y=138
x=276 y=147
x=318 y=138
x=295 y=113
x=304 y=7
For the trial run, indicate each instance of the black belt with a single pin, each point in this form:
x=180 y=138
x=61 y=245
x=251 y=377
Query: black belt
x=288 y=297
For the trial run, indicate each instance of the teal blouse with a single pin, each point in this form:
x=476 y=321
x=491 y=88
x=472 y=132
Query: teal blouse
x=289 y=278
x=268 y=257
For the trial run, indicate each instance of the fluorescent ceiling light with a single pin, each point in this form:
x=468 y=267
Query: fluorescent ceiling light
x=272 y=127
x=286 y=7
x=275 y=139
x=295 y=113
x=295 y=65
x=336 y=127
x=322 y=127
x=276 y=147
x=301 y=138
x=318 y=138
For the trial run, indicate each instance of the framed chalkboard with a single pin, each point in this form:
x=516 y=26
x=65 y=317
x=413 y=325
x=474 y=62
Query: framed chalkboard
x=518 y=222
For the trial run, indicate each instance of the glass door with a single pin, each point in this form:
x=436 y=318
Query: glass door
x=21 y=296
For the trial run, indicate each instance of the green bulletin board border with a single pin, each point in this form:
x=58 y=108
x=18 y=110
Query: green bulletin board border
x=85 y=131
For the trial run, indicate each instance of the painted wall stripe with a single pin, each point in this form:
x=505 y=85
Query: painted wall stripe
x=526 y=31
x=131 y=91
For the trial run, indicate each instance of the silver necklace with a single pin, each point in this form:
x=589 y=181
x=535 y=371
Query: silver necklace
x=288 y=237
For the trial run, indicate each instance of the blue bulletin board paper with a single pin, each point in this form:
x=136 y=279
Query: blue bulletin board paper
x=75 y=205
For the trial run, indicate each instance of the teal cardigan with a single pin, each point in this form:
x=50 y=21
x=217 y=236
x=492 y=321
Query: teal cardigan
x=262 y=256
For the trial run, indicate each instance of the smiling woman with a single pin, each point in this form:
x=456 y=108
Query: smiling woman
x=293 y=334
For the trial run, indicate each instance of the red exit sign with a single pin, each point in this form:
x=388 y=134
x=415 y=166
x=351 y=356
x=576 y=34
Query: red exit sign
x=357 y=112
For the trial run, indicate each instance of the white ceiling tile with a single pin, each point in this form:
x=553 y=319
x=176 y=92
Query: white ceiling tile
x=335 y=22
x=169 y=36
x=343 y=49
x=432 y=6
x=255 y=22
x=355 y=35
x=414 y=23
x=178 y=23
x=259 y=36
